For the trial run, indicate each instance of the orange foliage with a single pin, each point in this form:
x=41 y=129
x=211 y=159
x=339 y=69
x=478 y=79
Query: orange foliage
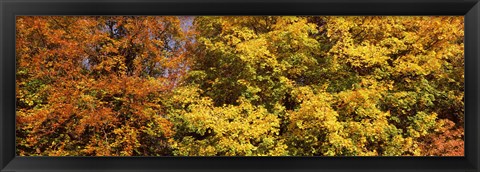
x=81 y=79
x=447 y=141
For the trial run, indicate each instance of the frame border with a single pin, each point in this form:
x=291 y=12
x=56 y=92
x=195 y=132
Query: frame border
x=11 y=8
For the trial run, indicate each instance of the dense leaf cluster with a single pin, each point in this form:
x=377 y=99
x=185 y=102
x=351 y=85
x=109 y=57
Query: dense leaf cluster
x=239 y=86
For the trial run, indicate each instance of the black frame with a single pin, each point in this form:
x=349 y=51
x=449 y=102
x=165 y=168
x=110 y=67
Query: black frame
x=11 y=8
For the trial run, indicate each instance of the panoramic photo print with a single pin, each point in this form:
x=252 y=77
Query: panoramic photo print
x=240 y=86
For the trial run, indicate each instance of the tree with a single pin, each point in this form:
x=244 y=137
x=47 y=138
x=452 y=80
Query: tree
x=91 y=85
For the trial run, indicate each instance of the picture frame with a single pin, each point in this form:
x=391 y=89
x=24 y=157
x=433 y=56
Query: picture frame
x=11 y=8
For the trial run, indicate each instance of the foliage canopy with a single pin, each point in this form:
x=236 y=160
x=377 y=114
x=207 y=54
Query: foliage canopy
x=239 y=86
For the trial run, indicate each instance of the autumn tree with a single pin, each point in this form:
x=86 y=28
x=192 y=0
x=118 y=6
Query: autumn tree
x=91 y=85
x=339 y=85
x=419 y=59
